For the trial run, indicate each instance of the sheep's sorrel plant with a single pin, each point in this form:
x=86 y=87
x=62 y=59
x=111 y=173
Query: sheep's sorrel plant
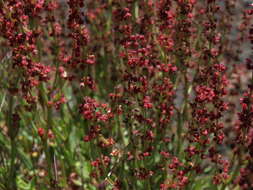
x=126 y=95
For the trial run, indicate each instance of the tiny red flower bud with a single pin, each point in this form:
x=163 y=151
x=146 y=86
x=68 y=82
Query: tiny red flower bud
x=41 y=132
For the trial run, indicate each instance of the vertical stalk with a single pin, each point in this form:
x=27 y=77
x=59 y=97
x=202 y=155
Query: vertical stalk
x=12 y=133
x=12 y=175
x=179 y=131
x=48 y=116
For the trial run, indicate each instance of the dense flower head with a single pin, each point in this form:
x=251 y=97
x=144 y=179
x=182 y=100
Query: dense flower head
x=111 y=94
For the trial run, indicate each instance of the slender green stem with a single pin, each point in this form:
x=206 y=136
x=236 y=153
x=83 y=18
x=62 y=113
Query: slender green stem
x=11 y=131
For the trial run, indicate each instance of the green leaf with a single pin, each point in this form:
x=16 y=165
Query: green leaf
x=25 y=159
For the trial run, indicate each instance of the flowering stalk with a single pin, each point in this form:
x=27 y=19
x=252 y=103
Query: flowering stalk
x=109 y=94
